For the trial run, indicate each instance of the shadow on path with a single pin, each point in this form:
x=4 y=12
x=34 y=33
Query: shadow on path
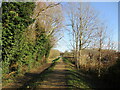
x=52 y=77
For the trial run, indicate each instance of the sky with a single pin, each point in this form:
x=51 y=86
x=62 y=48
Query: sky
x=108 y=13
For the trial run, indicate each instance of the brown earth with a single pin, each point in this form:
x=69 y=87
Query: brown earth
x=21 y=80
x=37 y=79
x=57 y=78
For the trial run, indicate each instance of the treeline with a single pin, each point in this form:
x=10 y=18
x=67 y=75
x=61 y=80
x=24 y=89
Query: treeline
x=89 y=40
x=92 y=49
x=90 y=58
x=27 y=35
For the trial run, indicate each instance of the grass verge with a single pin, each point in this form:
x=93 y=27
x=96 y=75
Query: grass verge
x=75 y=79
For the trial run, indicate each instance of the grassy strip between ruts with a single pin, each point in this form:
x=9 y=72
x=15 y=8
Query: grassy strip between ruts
x=74 y=79
x=40 y=77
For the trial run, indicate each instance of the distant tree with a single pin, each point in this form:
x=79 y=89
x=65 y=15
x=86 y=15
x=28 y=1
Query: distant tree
x=54 y=53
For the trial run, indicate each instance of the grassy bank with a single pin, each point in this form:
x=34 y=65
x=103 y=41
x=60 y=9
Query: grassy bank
x=74 y=78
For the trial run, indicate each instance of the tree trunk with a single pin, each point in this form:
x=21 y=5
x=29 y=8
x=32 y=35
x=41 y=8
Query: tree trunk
x=80 y=48
x=99 y=68
x=77 y=62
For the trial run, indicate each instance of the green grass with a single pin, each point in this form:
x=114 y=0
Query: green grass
x=74 y=79
x=55 y=60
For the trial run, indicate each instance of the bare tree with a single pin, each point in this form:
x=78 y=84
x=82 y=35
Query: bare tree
x=111 y=45
x=83 y=21
x=100 y=37
x=48 y=18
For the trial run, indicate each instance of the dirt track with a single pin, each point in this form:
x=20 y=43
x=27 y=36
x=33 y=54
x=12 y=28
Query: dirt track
x=55 y=79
